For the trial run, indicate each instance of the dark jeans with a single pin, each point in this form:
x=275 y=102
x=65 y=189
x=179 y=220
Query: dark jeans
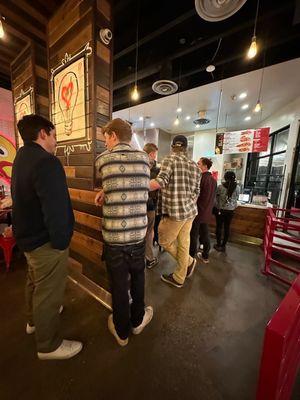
x=223 y=219
x=122 y=262
x=199 y=230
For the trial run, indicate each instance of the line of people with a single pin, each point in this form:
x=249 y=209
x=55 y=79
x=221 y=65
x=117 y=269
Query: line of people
x=43 y=224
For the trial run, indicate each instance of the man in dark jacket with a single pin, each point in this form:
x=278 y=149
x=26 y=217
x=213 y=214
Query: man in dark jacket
x=151 y=261
x=43 y=226
x=205 y=205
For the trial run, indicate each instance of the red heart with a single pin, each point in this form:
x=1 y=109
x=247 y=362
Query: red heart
x=66 y=93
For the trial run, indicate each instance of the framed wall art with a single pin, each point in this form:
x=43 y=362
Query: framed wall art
x=24 y=105
x=69 y=94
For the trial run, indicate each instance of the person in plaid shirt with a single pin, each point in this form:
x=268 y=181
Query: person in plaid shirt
x=179 y=181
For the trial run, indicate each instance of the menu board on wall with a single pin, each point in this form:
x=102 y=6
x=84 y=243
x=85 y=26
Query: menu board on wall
x=247 y=141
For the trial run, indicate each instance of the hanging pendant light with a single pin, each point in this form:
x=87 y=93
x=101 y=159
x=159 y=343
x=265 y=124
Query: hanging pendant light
x=258 y=106
x=176 y=122
x=135 y=93
x=2 y=33
x=253 y=47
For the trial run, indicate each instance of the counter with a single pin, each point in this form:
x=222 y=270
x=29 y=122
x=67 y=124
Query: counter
x=248 y=224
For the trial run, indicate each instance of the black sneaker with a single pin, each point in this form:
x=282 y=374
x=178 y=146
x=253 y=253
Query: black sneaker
x=152 y=263
x=219 y=248
x=191 y=268
x=170 y=280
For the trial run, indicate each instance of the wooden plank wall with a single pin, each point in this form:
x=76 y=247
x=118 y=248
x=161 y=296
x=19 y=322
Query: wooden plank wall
x=30 y=69
x=76 y=23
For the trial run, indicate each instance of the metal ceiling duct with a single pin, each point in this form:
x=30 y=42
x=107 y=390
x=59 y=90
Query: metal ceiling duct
x=217 y=10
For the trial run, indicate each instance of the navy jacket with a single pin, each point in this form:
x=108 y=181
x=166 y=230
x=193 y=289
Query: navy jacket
x=42 y=210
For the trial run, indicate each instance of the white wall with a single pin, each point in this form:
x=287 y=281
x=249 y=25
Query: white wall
x=288 y=115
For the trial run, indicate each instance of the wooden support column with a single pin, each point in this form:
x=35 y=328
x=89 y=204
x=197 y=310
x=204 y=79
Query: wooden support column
x=73 y=32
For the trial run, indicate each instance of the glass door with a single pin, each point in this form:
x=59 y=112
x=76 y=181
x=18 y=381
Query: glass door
x=294 y=193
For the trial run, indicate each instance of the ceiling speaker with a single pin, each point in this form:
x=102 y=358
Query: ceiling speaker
x=217 y=10
x=165 y=87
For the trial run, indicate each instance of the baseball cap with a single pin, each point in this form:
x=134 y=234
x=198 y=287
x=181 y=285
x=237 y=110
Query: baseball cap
x=180 y=141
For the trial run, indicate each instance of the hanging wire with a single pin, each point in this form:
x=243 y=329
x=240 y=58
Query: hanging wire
x=137 y=41
x=225 y=127
x=261 y=83
x=256 y=15
x=216 y=52
x=219 y=108
x=179 y=83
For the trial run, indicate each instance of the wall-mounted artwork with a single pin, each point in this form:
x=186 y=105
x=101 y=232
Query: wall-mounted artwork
x=69 y=96
x=23 y=106
x=7 y=156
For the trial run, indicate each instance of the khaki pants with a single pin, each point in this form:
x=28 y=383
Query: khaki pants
x=46 y=281
x=149 y=235
x=174 y=237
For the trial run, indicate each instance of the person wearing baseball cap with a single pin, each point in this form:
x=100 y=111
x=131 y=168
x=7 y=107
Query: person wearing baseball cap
x=179 y=181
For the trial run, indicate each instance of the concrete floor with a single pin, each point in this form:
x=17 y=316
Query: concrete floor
x=204 y=341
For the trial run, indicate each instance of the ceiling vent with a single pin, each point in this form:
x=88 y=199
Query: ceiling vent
x=202 y=120
x=165 y=87
x=217 y=10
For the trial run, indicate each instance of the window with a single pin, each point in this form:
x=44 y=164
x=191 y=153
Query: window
x=265 y=170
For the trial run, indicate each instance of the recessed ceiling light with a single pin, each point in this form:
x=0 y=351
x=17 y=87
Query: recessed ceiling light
x=179 y=109
x=243 y=95
x=152 y=124
x=245 y=107
x=188 y=117
x=141 y=118
x=248 y=118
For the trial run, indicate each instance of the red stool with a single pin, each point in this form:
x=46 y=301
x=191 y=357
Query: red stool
x=7 y=245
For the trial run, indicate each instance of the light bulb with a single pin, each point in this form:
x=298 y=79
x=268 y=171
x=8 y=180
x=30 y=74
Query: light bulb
x=253 y=48
x=179 y=109
x=248 y=118
x=135 y=94
x=152 y=124
x=2 y=34
x=188 y=117
x=141 y=118
x=67 y=100
x=197 y=126
x=257 y=107
x=245 y=107
x=176 y=122
x=243 y=95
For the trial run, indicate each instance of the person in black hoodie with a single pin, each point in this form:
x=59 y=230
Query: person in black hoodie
x=151 y=261
x=43 y=223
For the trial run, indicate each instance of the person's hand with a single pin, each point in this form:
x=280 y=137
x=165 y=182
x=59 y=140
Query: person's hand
x=99 y=199
x=6 y=203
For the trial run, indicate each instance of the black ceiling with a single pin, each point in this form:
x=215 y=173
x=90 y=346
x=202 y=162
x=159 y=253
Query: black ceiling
x=173 y=38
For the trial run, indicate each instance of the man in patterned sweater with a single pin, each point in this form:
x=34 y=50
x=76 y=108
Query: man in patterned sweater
x=179 y=181
x=125 y=175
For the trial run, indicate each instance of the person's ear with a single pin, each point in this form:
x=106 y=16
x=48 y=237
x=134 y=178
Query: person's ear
x=42 y=134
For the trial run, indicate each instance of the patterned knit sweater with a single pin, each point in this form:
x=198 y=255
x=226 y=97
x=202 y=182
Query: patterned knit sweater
x=125 y=174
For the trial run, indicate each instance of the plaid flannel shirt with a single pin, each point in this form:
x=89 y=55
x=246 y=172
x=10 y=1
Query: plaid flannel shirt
x=179 y=179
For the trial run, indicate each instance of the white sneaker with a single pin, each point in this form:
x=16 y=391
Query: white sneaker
x=67 y=349
x=146 y=319
x=30 y=329
x=112 y=329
